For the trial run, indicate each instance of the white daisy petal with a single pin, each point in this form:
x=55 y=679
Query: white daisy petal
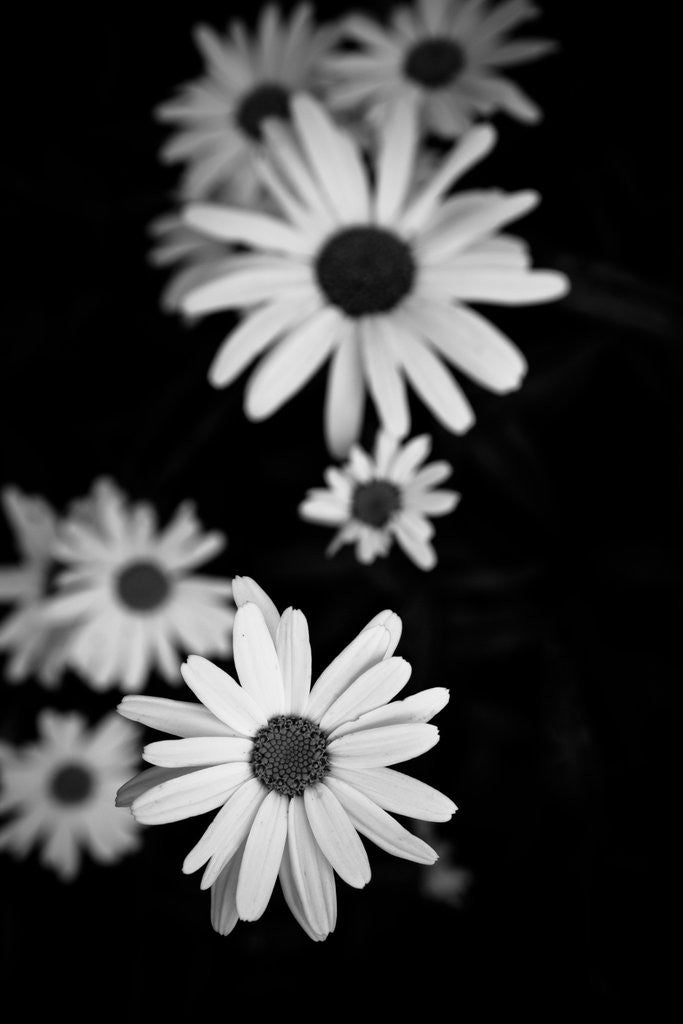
x=145 y=780
x=508 y=288
x=198 y=750
x=416 y=546
x=323 y=509
x=435 y=503
x=245 y=589
x=256 y=660
x=177 y=717
x=365 y=650
x=374 y=687
x=294 y=654
x=382 y=370
x=222 y=695
x=262 y=857
x=373 y=822
x=435 y=386
x=420 y=707
x=336 y=836
x=227 y=830
x=245 y=227
x=311 y=871
x=224 y=914
x=255 y=334
x=293 y=899
x=258 y=283
x=396 y=161
x=391 y=621
x=481 y=220
x=472 y=148
x=375 y=748
x=398 y=793
x=345 y=394
x=190 y=794
x=290 y=366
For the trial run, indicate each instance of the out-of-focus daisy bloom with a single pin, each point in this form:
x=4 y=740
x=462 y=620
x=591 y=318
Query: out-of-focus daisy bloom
x=297 y=771
x=445 y=54
x=34 y=645
x=127 y=588
x=373 y=278
x=199 y=258
x=372 y=500
x=61 y=791
x=248 y=79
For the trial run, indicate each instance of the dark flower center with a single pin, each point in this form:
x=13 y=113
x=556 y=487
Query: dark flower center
x=289 y=754
x=376 y=502
x=143 y=586
x=71 y=784
x=365 y=270
x=434 y=63
x=267 y=100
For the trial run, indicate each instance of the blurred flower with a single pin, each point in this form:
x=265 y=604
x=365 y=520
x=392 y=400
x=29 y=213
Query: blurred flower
x=34 y=645
x=447 y=882
x=372 y=500
x=373 y=278
x=445 y=54
x=127 y=591
x=297 y=772
x=248 y=79
x=62 y=787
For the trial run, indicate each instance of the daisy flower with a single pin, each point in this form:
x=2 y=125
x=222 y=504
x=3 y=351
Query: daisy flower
x=34 y=645
x=61 y=790
x=127 y=588
x=372 y=500
x=297 y=771
x=374 y=278
x=219 y=116
x=445 y=55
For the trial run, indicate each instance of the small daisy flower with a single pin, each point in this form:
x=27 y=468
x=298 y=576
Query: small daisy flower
x=61 y=790
x=127 y=588
x=34 y=645
x=297 y=771
x=445 y=55
x=372 y=500
x=375 y=279
x=248 y=79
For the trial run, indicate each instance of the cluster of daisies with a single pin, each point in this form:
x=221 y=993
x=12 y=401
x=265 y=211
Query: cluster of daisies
x=321 y=206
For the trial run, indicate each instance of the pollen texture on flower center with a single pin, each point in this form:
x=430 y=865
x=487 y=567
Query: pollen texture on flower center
x=374 y=503
x=365 y=270
x=142 y=586
x=267 y=100
x=434 y=63
x=71 y=784
x=289 y=754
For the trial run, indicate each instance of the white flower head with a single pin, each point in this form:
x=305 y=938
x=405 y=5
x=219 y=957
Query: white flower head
x=375 y=278
x=445 y=55
x=130 y=592
x=374 y=499
x=34 y=645
x=61 y=791
x=249 y=77
x=297 y=771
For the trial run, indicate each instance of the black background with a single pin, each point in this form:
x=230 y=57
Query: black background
x=553 y=615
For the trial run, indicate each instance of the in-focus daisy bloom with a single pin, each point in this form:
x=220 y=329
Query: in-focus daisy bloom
x=130 y=591
x=297 y=771
x=373 y=277
x=249 y=78
x=61 y=791
x=34 y=645
x=372 y=500
x=446 y=55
